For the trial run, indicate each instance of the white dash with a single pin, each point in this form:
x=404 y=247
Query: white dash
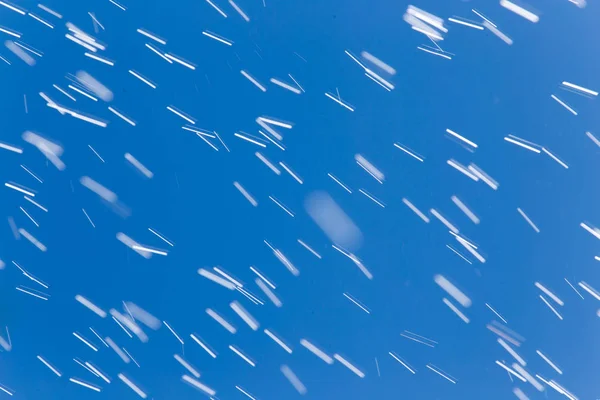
x=443 y=220
x=217 y=38
x=132 y=386
x=97 y=372
x=340 y=183
x=151 y=36
x=32 y=239
x=140 y=167
x=395 y=357
x=84 y=384
x=511 y=371
x=462 y=138
x=98 y=336
x=245 y=194
x=539 y=353
x=496 y=312
x=379 y=203
x=529 y=221
x=230 y=328
x=512 y=352
x=254 y=81
x=340 y=102
x=565 y=105
x=460 y=168
x=11 y=148
x=580 y=88
x=267 y=163
x=215 y=278
x=246 y=393
x=91 y=346
x=11 y=7
x=49 y=25
x=50 y=11
x=409 y=152
x=186 y=365
x=97 y=58
x=434 y=53
x=573 y=287
x=141 y=78
x=307 y=247
x=173 y=332
x=528 y=377
x=492 y=28
x=415 y=210
x=370 y=168
x=552 y=308
x=464 y=23
x=528 y=15
x=278 y=341
x=452 y=290
x=161 y=237
x=549 y=293
x=285 y=85
x=348 y=365
x=149 y=250
x=247 y=139
x=118 y=5
x=518 y=143
x=244 y=315
x=440 y=374
x=239 y=10
x=94 y=308
x=289 y=171
x=198 y=385
x=123 y=117
x=261 y=276
x=555 y=158
x=296 y=383
x=316 y=351
x=456 y=310
x=217 y=8
x=180 y=114
x=590 y=290
x=356 y=303
x=242 y=355
x=274 y=299
x=47 y=364
x=82 y=92
x=465 y=209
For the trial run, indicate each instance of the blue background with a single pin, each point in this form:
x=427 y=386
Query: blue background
x=487 y=91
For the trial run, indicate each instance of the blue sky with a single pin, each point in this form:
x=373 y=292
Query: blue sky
x=487 y=91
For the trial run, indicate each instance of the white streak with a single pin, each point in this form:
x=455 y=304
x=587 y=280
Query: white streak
x=262 y=277
x=289 y=171
x=278 y=341
x=49 y=25
x=97 y=372
x=123 y=117
x=456 y=310
x=78 y=336
x=268 y=293
x=340 y=102
x=495 y=312
x=527 y=376
x=415 y=210
x=529 y=221
x=580 y=88
x=217 y=279
x=11 y=148
x=87 y=385
x=307 y=247
x=242 y=355
x=94 y=308
x=380 y=64
x=356 y=303
x=528 y=15
x=11 y=7
x=340 y=183
x=549 y=294
x=565 y=105
x=32 y=239
x=47 y=364
x=462 y=138
x=525 y=146
x=410 y=153
x=316 y=351
x=510 y=371
x=347 y=364
x=492 y=28
x=132 y=386
x=372 y=198
x=145 y=171
x=217 y=38
x=555 y=158
x=440 y=374
x=173 y=332
x=590 y=290
x=244 y=315
x=245 y=194
x=573 y=287
x=152 y=36
x=102 y=60
x=230 y=328
x=443 y=220
x=239 y=10
x=452 y=290
x=118 y=5
x=217 y=8
x=198 y=385
x=434 y=53
x=511 y=352
x=457 y=21
x=249 y=140
x=141 y=78
x=395 y=357
x=254 y=81
x=180 y=114
x=539 y=353
x=296 y=383
x=50 y=11
x=186 y=365
x=465 y=209
x=285 y=85
x=370 y=168
x=461 y=168
x=552 y=308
